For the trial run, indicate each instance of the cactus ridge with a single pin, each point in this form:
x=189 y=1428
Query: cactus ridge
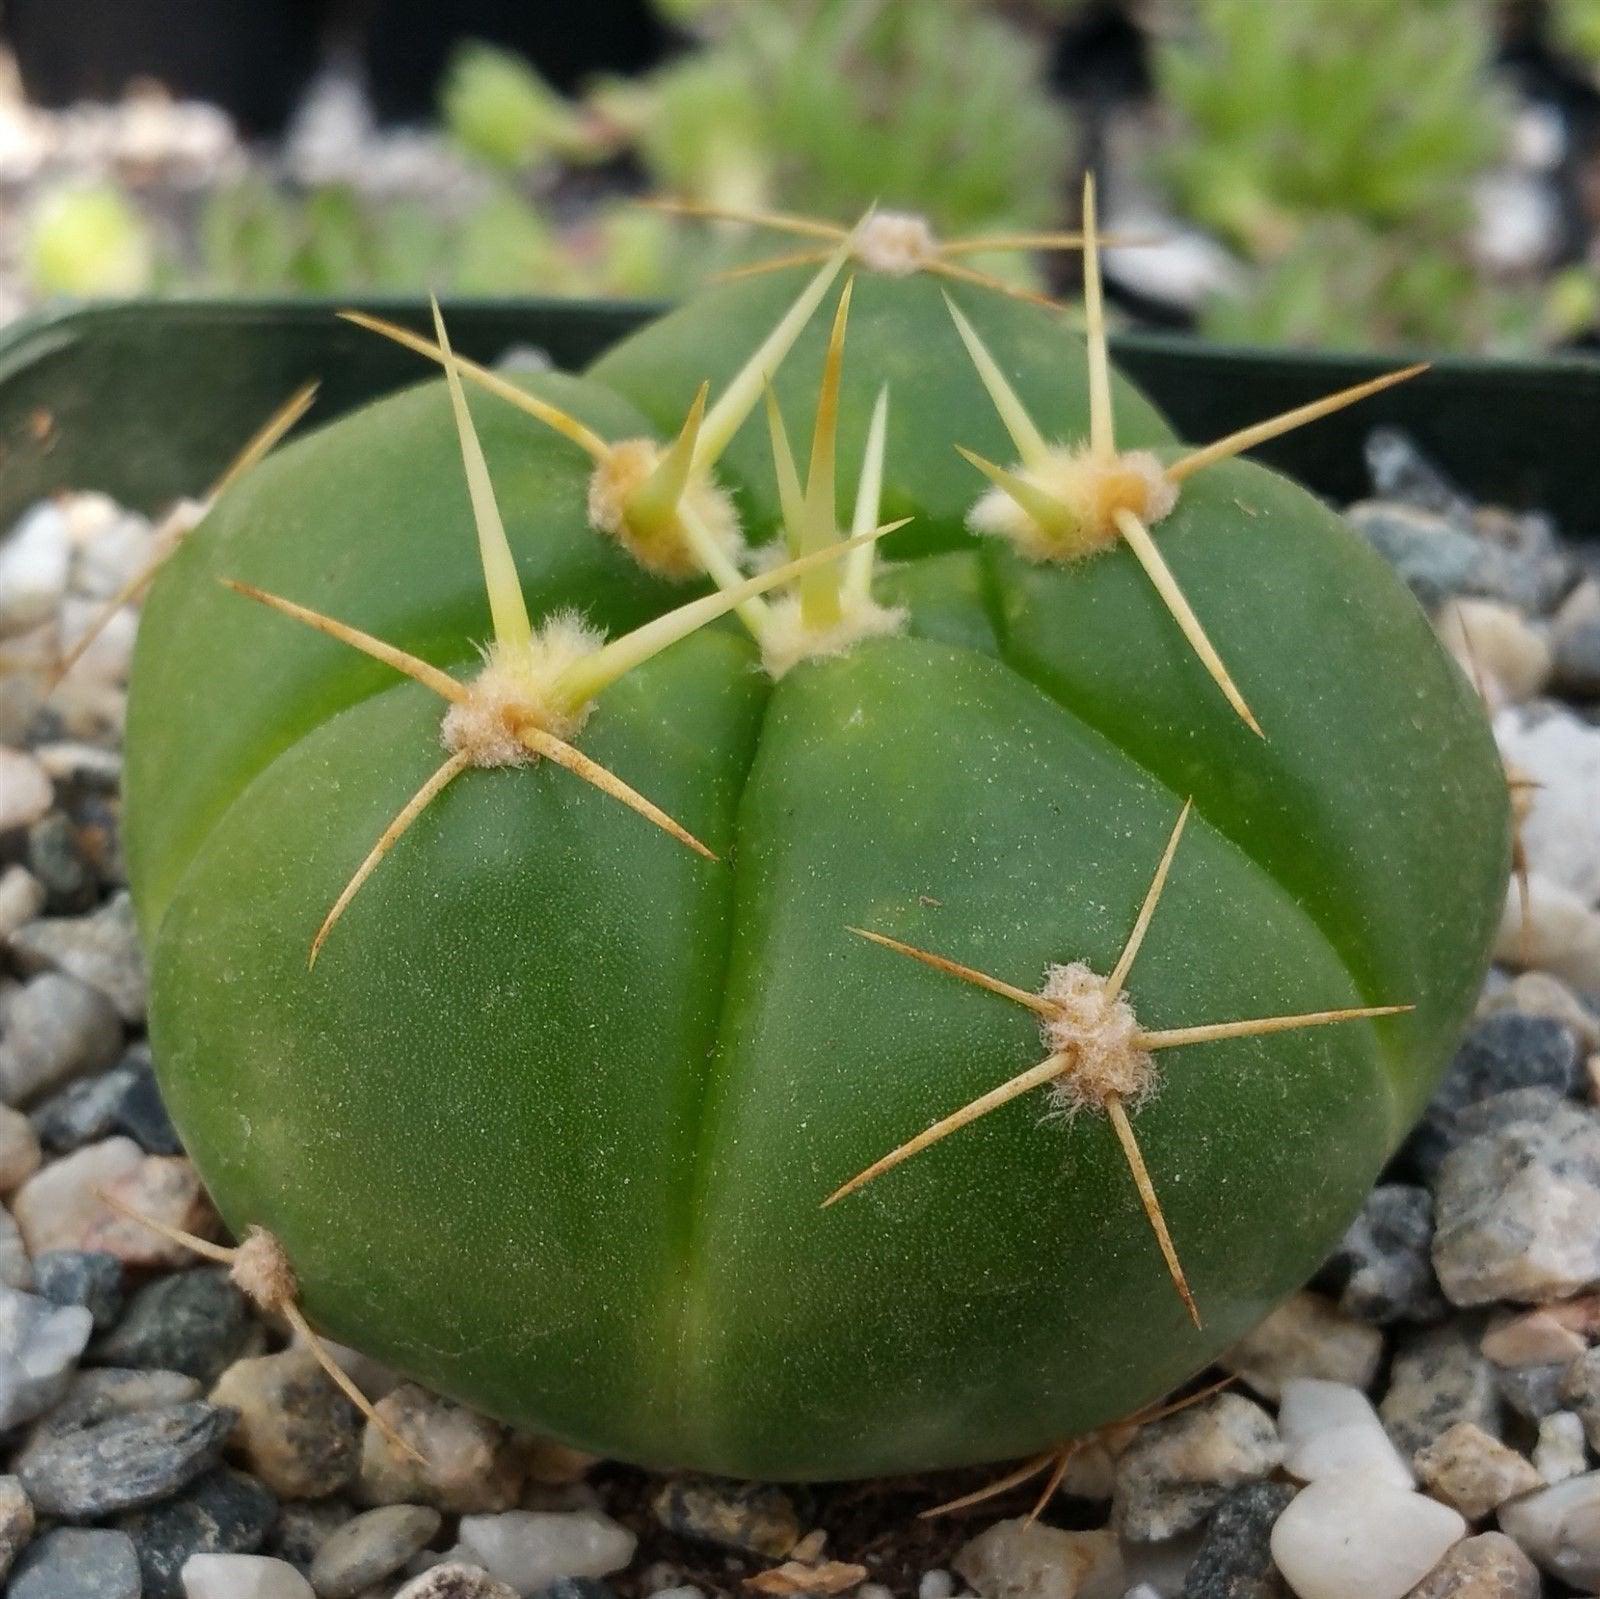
x=1100 y=1058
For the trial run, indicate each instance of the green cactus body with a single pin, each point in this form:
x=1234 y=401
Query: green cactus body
x=551 y=1123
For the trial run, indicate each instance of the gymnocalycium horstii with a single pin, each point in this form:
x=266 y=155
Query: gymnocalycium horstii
x=909 y=1006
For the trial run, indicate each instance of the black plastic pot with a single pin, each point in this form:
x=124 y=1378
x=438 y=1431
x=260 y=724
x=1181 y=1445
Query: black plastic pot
x=149 y=401
x=249 y=56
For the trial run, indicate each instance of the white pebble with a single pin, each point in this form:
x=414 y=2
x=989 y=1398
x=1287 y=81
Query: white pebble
x=1559 y=1528
x=936 y=1584
x=21 y=899
x=1561 y=835
x=1330 y=1426
x=242 y=1577
x=58 y=1206
x=1354 y=1536
x=33 y=569
x=25 y=791
x=530 y=1549
x=1561 y=1451
x=39 y=1346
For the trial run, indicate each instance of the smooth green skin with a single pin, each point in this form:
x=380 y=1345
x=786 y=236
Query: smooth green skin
x=900 y=333
x=550 y=1124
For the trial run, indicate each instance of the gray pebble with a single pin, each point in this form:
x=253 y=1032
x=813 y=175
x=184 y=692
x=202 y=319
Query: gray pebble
x=81 y=1277
x=1532 y=1391
x=1577 y=660
x=56 y=1027
x=370 y=1548
x=1234 y=1560
x=1517 y=1201
x=16 y=1269
x=142 y=1113
x=57 y=858
x=1580 y=1389
x=16 y=1521
x=1439 y=1378
x=40 y=1343
x=303 y=1526
x=77 y=1563
x=125 y=1462
x=195 y=1322
x=97 y=1396
x=1400 y=471
x=1383 y=1270
x=1504 y=1050
x=101 y=949
x=83 y=1112
x=1176 y=1471
x=223 y=1512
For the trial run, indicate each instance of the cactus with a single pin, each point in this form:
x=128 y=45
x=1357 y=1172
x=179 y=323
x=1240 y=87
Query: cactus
x=671 y=1070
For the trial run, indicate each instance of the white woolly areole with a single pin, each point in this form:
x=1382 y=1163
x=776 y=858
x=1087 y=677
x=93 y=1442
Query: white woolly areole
x=661 y=549
x=518 y=690
x=1099 y=1032
x=1091 y=492
x=262 y=1272
x=896 y=243
x=788 y=640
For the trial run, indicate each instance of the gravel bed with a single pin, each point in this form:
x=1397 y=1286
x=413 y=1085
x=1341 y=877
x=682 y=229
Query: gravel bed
x=1423 y=1418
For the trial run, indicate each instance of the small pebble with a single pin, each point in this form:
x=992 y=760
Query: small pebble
x=1306 y=1336
x=1383 y=1270
x=221 y=1512
x=936 y=1584
x=101 y=950
x=61 y=1204
x=1533 y=1392
x=21 y=898
x=79 y=1277
x=1561 y=1450
x=296 y=1431
x=1439 y=1377
x=142 y=1113
x=1517 y=1201
x=1489 y=1566
x=1475 y=1473
x=303 y=1527
x=56 y=1027
x=530 y=1549
x=456 y=1580
x=242 y=1577
x=1559 y=1528
x=1577 y=660
x=1562 y=935
x=16 y=1522
x=84 y=1112
x=40 y=1343
x=1494 y=641
x=96 y=1396
x=1177 y=1470
x=125 y=1462
x=470 y=1465
x=1234 y=1560
x=1504 y=1050
x=20 y=1154
x=1561 y=753
x=59 y=856
x=752 y=1518
x=75 y=1563
x=1019 y=1560
x=196 y=1322
x=25 y=792
x=1580 y=1389
x=16 y=1269
x=1540 y=994
x=35 y=558
x=164 y=1188
x=1534 y=1338
x=370 y=1548
x=1328 y=1427
x=1351 y=1534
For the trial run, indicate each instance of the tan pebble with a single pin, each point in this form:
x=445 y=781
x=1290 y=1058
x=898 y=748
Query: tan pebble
x=166 y=1189
x=60 y=1205
x=1536 y=1338
x=1306 y=1336
x=471 y=1466
x=1472 y=1472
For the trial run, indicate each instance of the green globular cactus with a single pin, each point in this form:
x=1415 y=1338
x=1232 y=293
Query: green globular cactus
x=871 y=1016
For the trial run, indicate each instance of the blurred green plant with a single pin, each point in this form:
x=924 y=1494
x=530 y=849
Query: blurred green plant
x=498 y=109
x=830 y=105
x=1362 y=108
x=87 y=239
x=1575 y=30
